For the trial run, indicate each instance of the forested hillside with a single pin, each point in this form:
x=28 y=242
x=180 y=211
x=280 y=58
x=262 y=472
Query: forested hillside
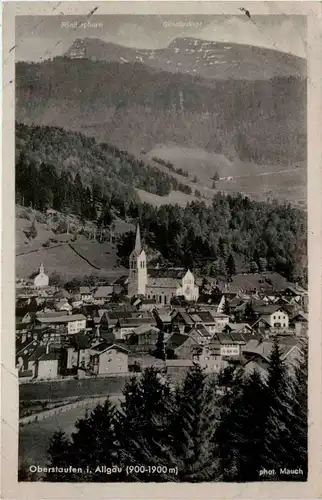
x=73 y=174
x=135 y=106
x=69 y=171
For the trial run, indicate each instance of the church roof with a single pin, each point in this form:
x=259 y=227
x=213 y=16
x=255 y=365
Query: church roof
x=174 y=273
x=166 y=282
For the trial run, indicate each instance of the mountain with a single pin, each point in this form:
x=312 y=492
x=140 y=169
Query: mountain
x=137 y=107
x=194 y=56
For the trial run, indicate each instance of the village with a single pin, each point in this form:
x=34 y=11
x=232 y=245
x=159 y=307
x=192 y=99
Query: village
x=167 y=318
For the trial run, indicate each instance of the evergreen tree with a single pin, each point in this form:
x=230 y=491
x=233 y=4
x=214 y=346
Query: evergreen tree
x=279 y=428
x=231 y=266
x=191 y=430
x=226 y=307
x=300 y=410
x=95 y=444
x=142 y=427
x=59 y=456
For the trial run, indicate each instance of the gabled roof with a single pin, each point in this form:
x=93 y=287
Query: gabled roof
x=205 y=317
x=30 y=346
x=262 y=319
x=268 y=309
x=235 y=327
x=200 y=330
x=103 y=292
x=264 y=348
x=145 y=329
x=103 y=347
x=37 y=353
x=50 y=356
x=185 y=316
x=65 y=318
x=176 y=340
x=84 y=290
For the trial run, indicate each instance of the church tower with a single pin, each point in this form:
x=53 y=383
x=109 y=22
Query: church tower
x=138 y=274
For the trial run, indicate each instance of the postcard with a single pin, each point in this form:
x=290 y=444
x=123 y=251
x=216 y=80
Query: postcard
x=161 y=263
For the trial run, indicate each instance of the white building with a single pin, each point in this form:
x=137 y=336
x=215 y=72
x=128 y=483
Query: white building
x=41 y=279
x=138 y=276
x=164 y=284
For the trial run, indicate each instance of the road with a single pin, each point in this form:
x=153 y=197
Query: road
x=34 y=438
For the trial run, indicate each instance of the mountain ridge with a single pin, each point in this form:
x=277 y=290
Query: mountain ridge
x=196 y=56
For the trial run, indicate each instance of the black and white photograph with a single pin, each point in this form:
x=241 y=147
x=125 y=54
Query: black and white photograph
x=161 y=246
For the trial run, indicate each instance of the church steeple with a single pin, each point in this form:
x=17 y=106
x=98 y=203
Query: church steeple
x=138 y=246
x=138 y=276
x=41 y=268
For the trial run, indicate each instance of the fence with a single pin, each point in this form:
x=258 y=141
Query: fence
x=36 y=417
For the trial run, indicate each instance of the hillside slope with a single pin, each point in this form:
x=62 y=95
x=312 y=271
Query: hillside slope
x=137 y=107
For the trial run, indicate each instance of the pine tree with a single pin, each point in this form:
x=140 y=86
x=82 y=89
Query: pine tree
x=300 y=410
x=59 y=456
x=278 y=444
x=226 y=307
x=246 y=430
x=231 y=266
x=191 y=430
x=142 y=427
x=95 y=444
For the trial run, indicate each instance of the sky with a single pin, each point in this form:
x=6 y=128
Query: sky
x=39 y=38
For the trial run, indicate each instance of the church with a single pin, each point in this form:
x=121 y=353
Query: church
x=41 y=280
x=159 y=284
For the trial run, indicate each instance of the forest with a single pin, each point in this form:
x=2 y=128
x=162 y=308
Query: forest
x=226 y=427
x=233 y=233
x=53 y=170
x=48 y=158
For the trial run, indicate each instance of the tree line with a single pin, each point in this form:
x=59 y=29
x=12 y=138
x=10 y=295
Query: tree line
x=229 y=427
x=233 y=234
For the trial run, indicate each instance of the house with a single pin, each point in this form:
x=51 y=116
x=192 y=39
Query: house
x=63 y=305
x=200 y=334
x=300 y=323
x=109 y=359
x=238 y=328
x=147 y=304
x=180 y=346
x=294 y=293
x=77 y=351
x=274 y=315
x=257 y=353
x=102 y=294
x=48 y=365
x=74 y=322
x=144 y=337
x=228 y=345
x=86 y=294
x=126 y=326
x=209 y=357
x=205 y=319
x=221 y=320
x=27 y=356
x=182 y=321
x=163 y=319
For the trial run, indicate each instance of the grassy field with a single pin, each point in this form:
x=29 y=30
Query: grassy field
x=260 y=182
x=63 y=389
x=34 y=438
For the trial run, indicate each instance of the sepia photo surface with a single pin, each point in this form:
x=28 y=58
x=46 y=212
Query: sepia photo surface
x=165 y=169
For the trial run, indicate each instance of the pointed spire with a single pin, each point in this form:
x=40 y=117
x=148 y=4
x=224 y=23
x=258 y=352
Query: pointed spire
x=41 y=268
x=138 y=246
